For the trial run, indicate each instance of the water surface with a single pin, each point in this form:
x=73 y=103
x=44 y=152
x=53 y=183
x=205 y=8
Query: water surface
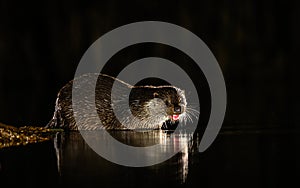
x=251 y=158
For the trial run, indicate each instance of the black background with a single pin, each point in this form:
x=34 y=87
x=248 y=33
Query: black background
x=255 y=43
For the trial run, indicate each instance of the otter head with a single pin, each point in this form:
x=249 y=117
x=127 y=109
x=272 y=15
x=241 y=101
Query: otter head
x=154 y=105
x=174 y=101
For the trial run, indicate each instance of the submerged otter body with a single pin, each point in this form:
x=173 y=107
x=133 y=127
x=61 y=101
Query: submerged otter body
x=148 y=107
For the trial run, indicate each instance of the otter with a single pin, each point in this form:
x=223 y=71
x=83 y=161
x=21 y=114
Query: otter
x=149 y=107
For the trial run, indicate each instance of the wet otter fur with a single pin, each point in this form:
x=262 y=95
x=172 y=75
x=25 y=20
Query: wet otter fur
x=151 y=106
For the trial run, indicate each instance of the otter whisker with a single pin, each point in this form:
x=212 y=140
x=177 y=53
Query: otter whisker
x=191 y=113
x=192 y=109
x=190 y=118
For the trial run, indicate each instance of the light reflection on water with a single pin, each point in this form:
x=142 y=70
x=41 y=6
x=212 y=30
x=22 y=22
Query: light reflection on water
x=74 y=154
x=237 y=158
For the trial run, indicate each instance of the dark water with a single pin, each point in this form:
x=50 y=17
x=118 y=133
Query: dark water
x=248 y=158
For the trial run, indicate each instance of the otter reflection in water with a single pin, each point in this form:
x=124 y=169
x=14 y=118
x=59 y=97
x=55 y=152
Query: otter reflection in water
x=74 y=155
x=149 y=107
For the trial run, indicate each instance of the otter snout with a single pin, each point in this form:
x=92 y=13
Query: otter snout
x=176 y=113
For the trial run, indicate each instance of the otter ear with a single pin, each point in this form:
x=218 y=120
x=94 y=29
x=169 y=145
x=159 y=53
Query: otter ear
x=155 y=95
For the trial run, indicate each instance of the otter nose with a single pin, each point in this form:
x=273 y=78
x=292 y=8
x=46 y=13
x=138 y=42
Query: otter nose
x=177 y=109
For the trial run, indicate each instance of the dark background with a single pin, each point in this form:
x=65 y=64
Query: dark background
x=255 y=43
